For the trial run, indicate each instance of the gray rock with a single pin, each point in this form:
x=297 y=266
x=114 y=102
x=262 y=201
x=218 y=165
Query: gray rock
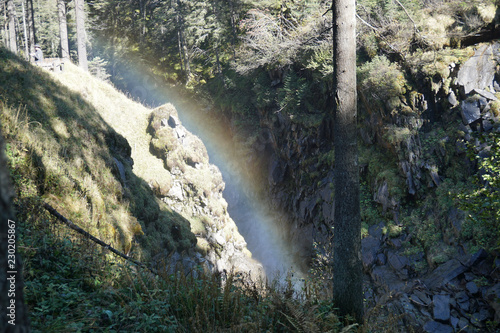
x=476 y=258
x=485 y=94
x=176 y=192
x=444 y=274
x=454 y=322
x=376 y=230
x=493 y=297
x=463 y=324
x=462 y=301
x=396 y=261
x=277 y=171
x=382 y=197
x=470 y=111
x=472 y=287
x=478 y=72
x=369 y=248
x=423 y=297
x=441 y=307
x=435 y=327
x=452 y=99
x=381 y=259
x=386 y=279
x=395 y=243
x=479 y=318
x=173 y=121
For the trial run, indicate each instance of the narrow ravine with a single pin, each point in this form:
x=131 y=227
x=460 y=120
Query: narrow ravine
x=256 y=223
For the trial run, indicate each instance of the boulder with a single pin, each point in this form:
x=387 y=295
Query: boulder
x=369 y=248
x=470 y=111
x=472 y=287
x=486 y=94
x=441 y=307
x=478 y=72
x=452 y=99
x=385 y=279
x=444 y=274
x=435 y=327
x=396 y=261
x=382 y=197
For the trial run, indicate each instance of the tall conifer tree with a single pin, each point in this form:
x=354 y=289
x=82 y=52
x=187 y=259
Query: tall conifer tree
x=81 y=34
x=12 y=26
x=63 y=28
x=347 y=279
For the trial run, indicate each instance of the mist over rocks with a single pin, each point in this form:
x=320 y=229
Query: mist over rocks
x=196 y=193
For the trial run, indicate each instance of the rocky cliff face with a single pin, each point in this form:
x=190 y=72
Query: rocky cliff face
x=412 y=142
x=195 y=191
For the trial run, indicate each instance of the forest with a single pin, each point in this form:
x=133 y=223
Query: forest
x=173 y=120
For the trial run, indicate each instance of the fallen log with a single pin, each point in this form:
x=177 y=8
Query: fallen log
x=76 y=228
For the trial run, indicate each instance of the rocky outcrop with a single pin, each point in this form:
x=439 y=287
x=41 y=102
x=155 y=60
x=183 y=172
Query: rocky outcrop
x=195 y=191
x=461 y=294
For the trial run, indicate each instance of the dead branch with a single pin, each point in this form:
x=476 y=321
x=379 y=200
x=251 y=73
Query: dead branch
x=76 y=228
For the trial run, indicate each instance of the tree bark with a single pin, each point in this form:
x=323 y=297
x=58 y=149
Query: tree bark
x=25 y=33
x=13 y=311
x=12 y=26
x=63 y=28
x=81 y=35
x=31 y=27
x=347 y=278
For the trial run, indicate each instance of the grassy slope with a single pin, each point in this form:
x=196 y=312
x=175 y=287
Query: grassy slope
x=62 y=151
x=127 y=117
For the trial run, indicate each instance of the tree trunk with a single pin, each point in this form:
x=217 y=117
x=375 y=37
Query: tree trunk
x=26 y=44
x=81 y=36
x=31 y=27
x=12 y=26
x=347 y=278
x=63 y=28
x=13 y=311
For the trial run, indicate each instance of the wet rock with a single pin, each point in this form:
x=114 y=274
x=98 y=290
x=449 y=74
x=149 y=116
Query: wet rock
x=173 y=121
x=435 y=327
x=441 y=307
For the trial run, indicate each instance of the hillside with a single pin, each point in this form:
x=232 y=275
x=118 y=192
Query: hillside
x=101 y=161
